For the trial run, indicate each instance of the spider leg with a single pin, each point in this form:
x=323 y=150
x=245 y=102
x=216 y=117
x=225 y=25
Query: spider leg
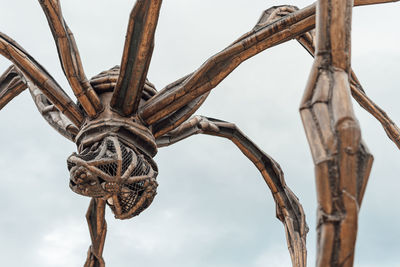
x=13 y=82
x=182 y=114
x=307 y=40
x=40 y=77
x=70 y=58
x=179 y=116
x=52 y=115
x=215 y=69
x=342 y=161
x=358 y=93
x=372 y=2
x=98 y=229
x=11 y=86
x=139 y=44
x=288 y=208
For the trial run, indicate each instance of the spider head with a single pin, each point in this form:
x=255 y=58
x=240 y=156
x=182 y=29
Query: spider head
x=116 y=170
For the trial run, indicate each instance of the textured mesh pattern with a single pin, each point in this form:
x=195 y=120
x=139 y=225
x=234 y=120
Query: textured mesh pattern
x=131 y=198
x=114 y=171
x=126 y=158
x=110 y=169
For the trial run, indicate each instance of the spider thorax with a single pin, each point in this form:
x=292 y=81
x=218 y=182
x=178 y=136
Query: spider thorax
x=115 y=162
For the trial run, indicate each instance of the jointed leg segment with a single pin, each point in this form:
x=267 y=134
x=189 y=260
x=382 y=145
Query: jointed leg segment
x=52 y=115
x=98 y=229
x=40 y=78
x=13 y=82
x=358 y=93
x=307 y=40
x=70 y=58
x=275 y=19
x=342 y=161
x=138 y=50
x=11 y=85
x=288 y=208
x=218 y=67
x=179 y=116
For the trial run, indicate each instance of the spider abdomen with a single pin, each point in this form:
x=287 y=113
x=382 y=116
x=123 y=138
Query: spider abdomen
x=111 y=169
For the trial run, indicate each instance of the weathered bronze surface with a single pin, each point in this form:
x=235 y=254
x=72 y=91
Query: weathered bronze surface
x=120 y=120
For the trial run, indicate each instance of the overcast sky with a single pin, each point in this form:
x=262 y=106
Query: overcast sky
x=212 y=207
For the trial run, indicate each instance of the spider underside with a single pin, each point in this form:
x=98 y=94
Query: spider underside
x=120 y=120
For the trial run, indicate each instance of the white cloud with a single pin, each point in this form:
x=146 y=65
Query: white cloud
x=63 y=245
x=273 y=257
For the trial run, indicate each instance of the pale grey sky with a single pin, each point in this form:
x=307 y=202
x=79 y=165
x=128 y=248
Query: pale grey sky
x=212 y=207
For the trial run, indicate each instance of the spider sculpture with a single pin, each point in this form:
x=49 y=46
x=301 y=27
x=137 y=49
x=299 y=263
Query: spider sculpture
x=120 y=120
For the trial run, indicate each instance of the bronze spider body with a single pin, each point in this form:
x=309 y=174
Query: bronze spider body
x=120 y=120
